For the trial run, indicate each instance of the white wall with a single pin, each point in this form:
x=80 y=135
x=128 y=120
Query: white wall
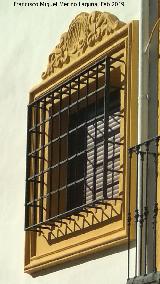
x=27 y=35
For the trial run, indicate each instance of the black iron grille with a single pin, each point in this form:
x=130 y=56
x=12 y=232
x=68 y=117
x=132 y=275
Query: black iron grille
x=73 y=152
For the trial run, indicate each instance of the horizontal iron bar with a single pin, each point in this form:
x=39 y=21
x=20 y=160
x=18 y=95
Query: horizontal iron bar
x=154 y=139
x=70 y=159
x=65 y=109
x=56 y=88
x=66 y=134
x=69 y=185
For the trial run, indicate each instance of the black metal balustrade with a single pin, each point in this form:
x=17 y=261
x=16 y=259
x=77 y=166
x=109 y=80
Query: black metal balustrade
x=73 y=152
x=143 y=178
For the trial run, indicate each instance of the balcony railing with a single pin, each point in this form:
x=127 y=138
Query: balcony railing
x=143 y=209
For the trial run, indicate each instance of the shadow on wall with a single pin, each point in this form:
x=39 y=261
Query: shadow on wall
x=82 y=260
x=91 y=217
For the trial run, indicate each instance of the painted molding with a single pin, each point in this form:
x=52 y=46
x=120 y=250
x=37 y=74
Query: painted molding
x=84 y=32
x=122 y=44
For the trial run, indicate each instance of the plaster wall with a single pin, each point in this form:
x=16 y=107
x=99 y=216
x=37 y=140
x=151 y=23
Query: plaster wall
x=28 y=34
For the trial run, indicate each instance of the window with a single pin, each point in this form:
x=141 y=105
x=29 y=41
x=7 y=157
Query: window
x=81 y=121
x=74 y=146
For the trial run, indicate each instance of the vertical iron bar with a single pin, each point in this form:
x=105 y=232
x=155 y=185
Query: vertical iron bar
x=113 y=166
x=36 y=111
x=106 y=118
x=59 y=156
x=85 y=146
x=136 y=210
x=68 y=128
x=95 y=140
x=77 y=185
x=27 y=191
x=155 y=209
x=129 y=209
x=141 y=212
x=51 y=158
x=146 y=210
x=43 y=158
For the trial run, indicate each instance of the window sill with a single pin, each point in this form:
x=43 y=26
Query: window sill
x=103 y=235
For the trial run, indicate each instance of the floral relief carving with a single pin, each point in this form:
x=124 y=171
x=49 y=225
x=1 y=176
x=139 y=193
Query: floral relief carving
x=84 y=32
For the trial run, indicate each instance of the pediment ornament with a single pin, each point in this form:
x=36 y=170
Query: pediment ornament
x=84 y=32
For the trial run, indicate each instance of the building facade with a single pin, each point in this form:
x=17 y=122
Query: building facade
x=91 y=202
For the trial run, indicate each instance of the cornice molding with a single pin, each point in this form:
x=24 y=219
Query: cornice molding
x=84 y=32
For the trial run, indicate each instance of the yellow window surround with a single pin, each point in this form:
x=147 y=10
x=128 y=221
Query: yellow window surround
x=90 y=38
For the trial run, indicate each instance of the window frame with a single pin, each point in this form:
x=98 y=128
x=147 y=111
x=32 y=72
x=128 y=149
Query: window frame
x=38 y=255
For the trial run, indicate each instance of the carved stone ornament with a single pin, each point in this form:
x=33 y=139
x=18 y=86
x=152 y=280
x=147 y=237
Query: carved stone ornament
x=84 y=32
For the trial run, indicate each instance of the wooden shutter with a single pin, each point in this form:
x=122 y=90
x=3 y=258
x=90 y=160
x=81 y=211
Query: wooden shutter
x=95 y=153
x=113 y=153
x=95 y=156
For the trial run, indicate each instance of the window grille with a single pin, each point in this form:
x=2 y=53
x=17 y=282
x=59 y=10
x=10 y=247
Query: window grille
x=73 y=146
